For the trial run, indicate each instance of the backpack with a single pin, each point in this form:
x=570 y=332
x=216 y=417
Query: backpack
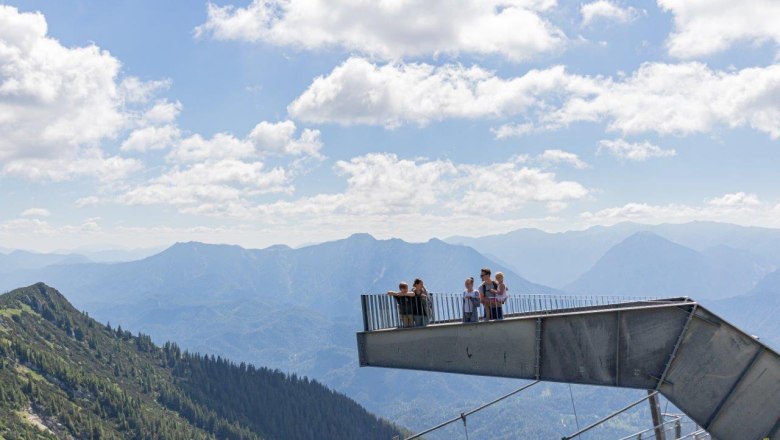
x=484 y=288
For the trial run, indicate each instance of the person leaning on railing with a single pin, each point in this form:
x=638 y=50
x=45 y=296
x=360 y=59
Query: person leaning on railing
x=421 y=305
x=404 y=298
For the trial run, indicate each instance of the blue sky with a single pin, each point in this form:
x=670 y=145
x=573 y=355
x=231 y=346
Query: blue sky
x=140 y=123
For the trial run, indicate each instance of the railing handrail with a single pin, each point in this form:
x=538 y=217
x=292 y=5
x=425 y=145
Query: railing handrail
x=381 y=311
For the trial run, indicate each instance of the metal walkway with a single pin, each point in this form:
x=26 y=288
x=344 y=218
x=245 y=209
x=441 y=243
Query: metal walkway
x=723 y=379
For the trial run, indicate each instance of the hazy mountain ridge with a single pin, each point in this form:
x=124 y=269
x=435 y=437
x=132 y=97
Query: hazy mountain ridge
x=79 y=379
x=757 y=312
x=557 y=259
x=646 y=264
x=197 y=273
x=23 y=260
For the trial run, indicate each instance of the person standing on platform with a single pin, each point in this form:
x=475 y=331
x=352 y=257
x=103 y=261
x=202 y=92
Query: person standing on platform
x=470 y=302
x=404 y=298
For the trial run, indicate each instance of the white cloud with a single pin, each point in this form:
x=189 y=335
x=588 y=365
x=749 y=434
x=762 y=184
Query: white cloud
x=705 y=27
x=209 y=186
x=377 y=185
x=35 y=212
x=740 y=208
x=393 y=29
x=26 y=227
x=507 y=187
x=607 y=10
x=512 y=130
x=221 y=146
x=681 y=99
x=384 y=185
x=266 y=138
x=667 y=99
x=734 y=200
x=163 y=112
x=87 y=201
x=57 y=103
x=90 y=162
x=360 y=92
x=279 y=138
x=151 y=138
x=633 y=150
x=560 y=156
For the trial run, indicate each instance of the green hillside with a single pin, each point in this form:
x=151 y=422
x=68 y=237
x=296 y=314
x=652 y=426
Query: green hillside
x=63 y=375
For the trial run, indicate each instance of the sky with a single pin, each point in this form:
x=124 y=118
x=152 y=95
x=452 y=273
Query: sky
x=140 y=123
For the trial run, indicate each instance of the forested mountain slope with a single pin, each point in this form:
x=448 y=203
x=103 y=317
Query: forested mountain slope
x=63 y=375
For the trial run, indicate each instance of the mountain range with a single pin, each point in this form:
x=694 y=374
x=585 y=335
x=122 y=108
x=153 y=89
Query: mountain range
x=558 y=259
x=298 y=309
x=646 y=264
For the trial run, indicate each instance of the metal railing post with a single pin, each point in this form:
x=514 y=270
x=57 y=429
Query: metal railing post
x=364 y=307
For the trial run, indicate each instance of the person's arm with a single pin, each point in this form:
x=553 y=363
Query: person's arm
x=392 y=293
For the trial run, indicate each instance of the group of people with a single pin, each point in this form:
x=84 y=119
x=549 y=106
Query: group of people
x=415 y=305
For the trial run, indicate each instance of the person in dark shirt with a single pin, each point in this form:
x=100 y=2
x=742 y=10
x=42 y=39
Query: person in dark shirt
x=404 y=298
x=420 y=304
x=487 y=296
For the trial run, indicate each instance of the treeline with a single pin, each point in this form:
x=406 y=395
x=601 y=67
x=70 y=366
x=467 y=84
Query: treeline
x=90 y=381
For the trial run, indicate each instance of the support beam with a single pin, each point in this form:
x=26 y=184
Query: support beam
x=702 y=364
x=655 y=412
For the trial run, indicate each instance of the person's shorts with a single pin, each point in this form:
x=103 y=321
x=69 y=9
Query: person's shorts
x=470 y=316
x=421 y=320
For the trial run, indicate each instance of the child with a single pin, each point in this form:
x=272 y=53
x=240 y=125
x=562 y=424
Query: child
x=404 y=299
x=497 y=309
x=470 y=302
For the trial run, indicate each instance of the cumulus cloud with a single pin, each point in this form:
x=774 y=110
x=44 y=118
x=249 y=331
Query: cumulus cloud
x=196 y=148
x=738 y=199
x=393 y=30
x=607 y=10
x=360 y=92
x=151 y=138
x=635 y=151
x=35 y=212
x=90 y=162
x=739 y=207
x=667 y=99
x=560 y=156
x=507 y=187
x=377 y=185
x=279 y=138
x=705 y=27
x=38 y=227
x=381 y=184
x=210 y=186
x=57 y=103
x=681 y=99
x=216 y=175
x=87 y=201
x=512 y=130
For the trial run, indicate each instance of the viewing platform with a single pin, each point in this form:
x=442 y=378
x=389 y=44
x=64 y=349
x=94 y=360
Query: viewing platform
x=724 y=379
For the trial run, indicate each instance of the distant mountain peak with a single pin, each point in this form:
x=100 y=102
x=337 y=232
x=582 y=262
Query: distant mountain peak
x=361 y=236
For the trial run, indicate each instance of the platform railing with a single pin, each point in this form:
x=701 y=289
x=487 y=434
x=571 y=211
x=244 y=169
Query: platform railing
x=384 y=311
